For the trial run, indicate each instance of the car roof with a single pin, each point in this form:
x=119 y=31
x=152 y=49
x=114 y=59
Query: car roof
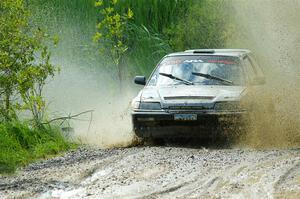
x=220 y=52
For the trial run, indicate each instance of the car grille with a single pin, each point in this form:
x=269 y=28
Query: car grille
x=188 y=108
x=189 y=97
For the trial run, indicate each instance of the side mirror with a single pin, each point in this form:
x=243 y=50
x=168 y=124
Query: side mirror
x=140 y=80
x=258 y=81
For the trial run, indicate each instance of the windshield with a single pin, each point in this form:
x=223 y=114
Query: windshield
x=200 y=70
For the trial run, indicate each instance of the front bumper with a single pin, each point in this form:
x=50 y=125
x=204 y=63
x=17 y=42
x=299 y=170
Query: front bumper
x=163 y=125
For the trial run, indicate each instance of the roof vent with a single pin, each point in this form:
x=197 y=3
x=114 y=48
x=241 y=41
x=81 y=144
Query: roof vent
x=205 y=51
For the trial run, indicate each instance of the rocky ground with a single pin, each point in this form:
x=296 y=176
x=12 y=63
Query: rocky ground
x=160 y=172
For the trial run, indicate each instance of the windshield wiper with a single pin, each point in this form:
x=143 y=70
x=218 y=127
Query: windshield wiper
x=177 y=78
x=213 y=77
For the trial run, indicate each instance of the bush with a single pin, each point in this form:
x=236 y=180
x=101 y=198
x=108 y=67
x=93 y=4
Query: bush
x=21 y=144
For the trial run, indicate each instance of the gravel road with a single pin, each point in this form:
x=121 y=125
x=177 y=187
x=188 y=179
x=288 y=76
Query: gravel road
x=160 y=172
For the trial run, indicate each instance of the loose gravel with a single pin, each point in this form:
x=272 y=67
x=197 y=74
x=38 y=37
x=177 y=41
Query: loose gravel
x=159 y=172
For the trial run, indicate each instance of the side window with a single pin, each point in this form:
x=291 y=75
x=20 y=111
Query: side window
x=153 y=80
x=258 y=70
x=250 y=71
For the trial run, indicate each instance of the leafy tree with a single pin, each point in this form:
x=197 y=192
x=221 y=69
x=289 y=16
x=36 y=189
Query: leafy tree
x=24 y=62
x=111 y=34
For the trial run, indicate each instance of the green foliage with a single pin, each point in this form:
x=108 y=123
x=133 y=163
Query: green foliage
x=147 y=47
x=24 y=68
x=157 y=28
x=204 y=26
x=24 y=63
x=111 y=32
x=156 y=15
x=163 y=26
x=21 y=144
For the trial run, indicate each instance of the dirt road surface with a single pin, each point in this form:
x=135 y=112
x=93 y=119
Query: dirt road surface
x=160 y=172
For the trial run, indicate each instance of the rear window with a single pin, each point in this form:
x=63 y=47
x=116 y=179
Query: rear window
x=185 y=67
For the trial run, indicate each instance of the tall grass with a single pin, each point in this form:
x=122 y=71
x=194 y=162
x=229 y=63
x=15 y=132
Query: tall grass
x=207 y=25
x=21 y=144
x=147 y=48
x=163 y=26
x=158 y=27
x=156 y=14
x=147 y=36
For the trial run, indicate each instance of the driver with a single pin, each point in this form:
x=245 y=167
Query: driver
x=184 y=71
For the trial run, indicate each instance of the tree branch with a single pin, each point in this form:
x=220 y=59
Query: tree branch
x=68 y=117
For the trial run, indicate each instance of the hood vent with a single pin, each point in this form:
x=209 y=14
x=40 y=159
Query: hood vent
x=189 y=98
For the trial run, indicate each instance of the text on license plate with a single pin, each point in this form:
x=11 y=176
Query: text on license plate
x=185 y=117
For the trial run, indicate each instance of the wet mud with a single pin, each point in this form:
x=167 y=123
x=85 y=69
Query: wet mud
x=160 y=172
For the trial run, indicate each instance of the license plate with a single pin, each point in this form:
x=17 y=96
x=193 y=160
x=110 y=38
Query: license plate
x=185 y=117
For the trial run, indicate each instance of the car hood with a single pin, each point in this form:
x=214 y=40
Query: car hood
x=185 y=94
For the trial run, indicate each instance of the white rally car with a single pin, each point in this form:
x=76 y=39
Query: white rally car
x=195 y=93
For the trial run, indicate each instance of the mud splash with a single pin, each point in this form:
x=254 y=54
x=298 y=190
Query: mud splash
x=271 y=30
x=87 y=80
x=78 y=89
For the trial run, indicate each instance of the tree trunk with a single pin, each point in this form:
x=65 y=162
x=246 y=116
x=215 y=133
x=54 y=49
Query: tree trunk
x=7 y=106
x=121 y=74
x=120 y=77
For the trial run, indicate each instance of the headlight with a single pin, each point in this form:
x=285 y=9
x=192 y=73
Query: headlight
x=135 y=104
x=227 y=106
x=150 y=106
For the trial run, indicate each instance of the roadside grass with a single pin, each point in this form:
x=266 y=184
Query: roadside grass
x=21 y=144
